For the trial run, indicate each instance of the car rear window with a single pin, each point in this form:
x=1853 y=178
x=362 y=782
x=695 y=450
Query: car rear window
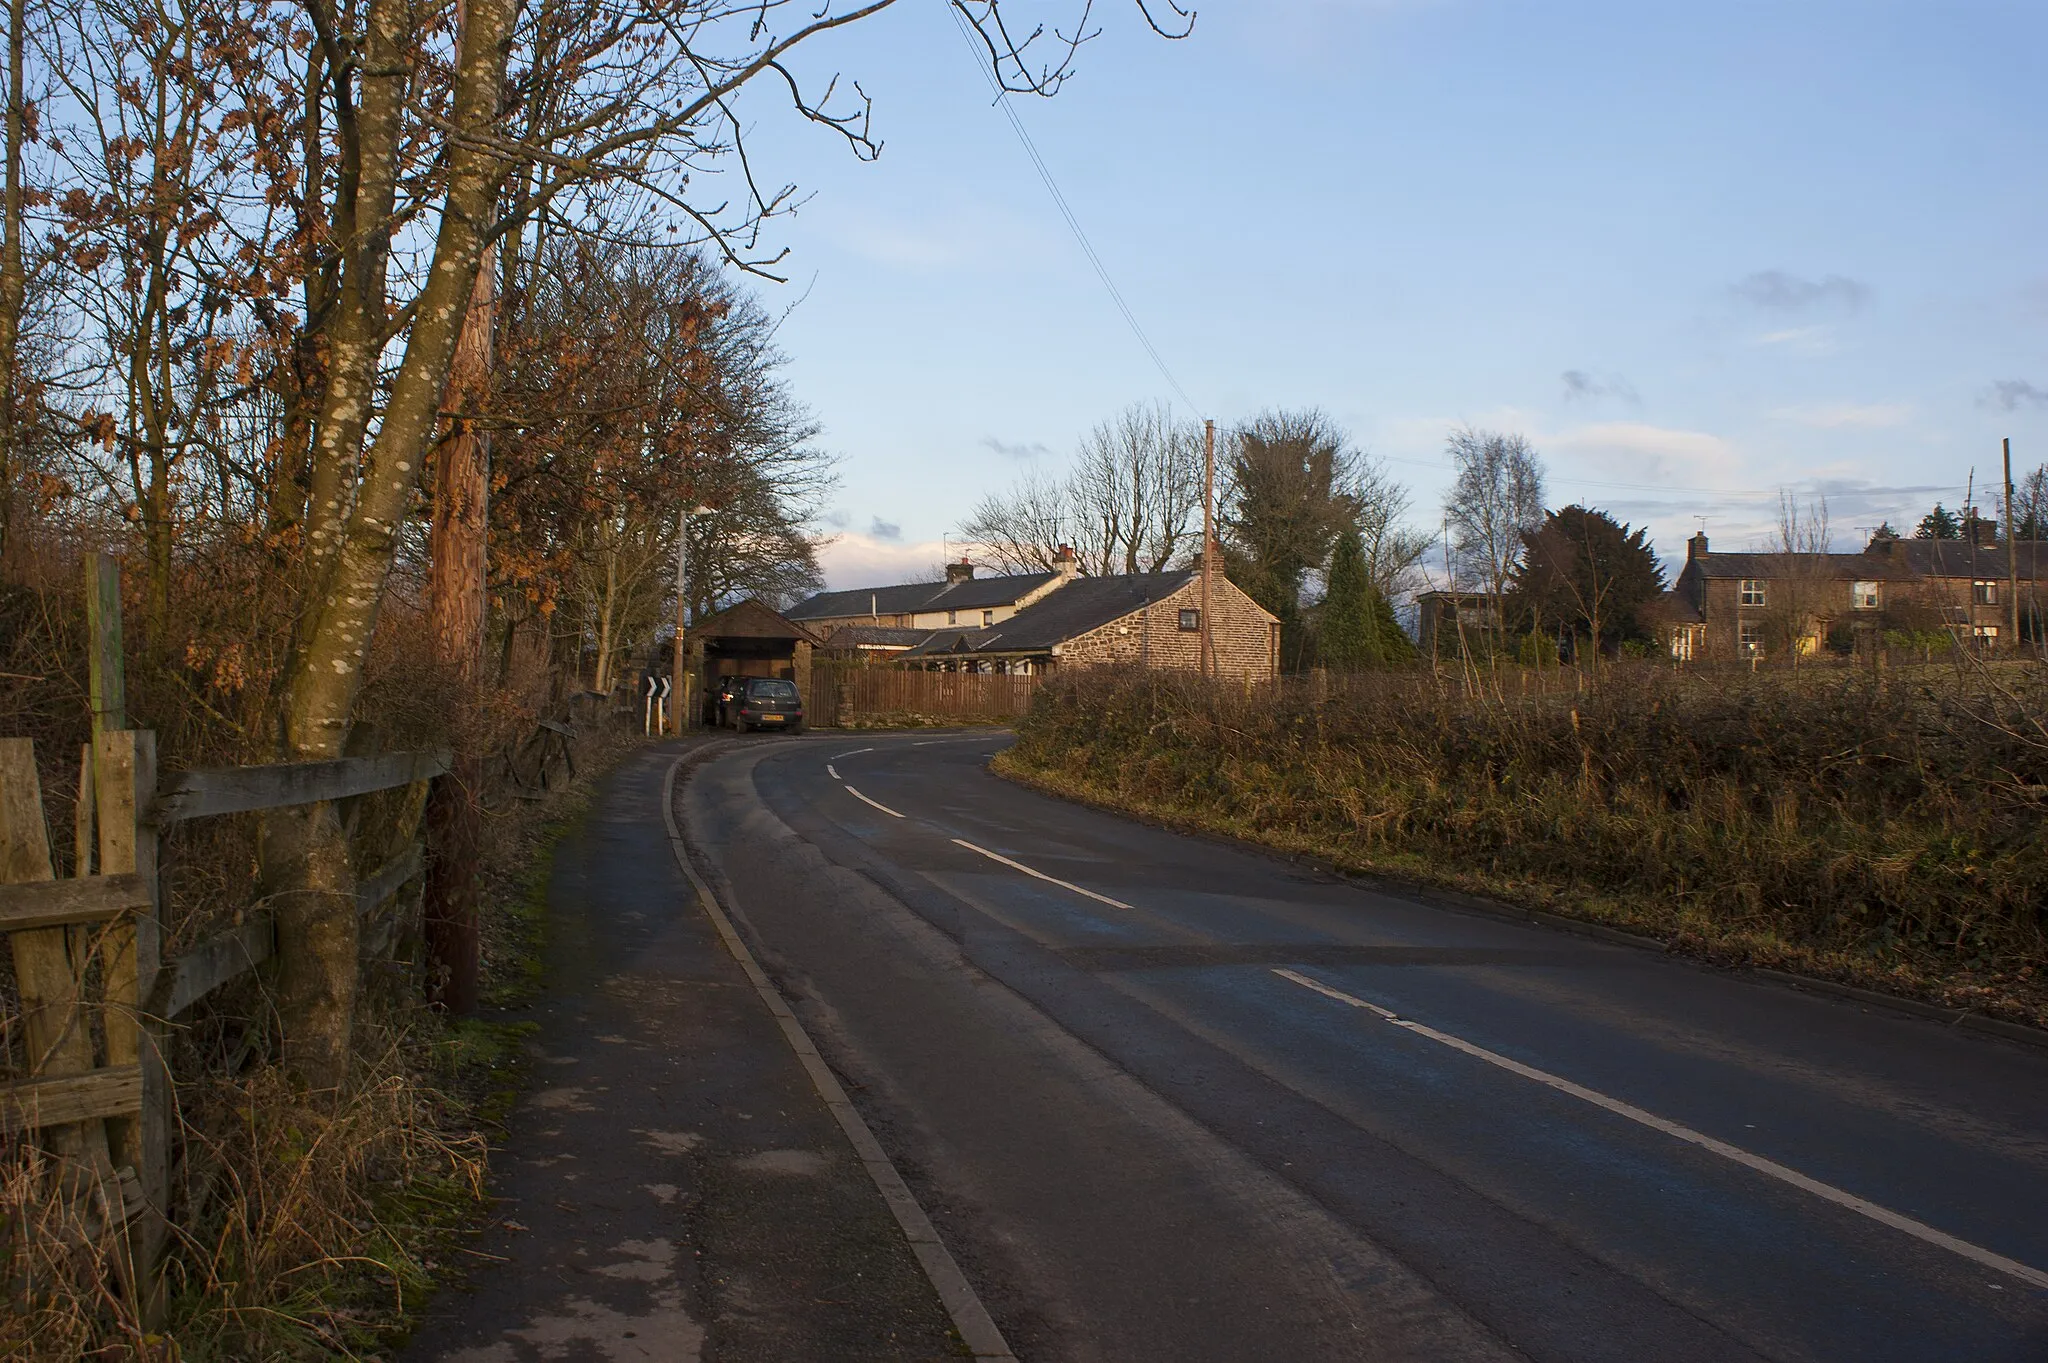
x=772 y=690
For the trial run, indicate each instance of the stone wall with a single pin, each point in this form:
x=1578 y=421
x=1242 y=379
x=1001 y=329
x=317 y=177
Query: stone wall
x=1247 y=641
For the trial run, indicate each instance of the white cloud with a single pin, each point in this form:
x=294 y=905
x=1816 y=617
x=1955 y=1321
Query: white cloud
x=1637 y=452
x=857 y=560
x=1829 y=416
x=1815 y=340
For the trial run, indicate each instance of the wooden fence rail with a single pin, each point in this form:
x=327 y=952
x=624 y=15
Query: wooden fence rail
x=848 y=694
x=105 y=1107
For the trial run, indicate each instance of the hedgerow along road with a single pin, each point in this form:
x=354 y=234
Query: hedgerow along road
x=1166 y=1098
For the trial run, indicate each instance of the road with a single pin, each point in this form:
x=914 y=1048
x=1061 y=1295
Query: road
x=1171 y=1099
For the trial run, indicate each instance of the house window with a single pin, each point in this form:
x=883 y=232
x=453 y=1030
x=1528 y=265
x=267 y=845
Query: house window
x=987 y=618
x=1191 y=621
x=1984 y=593
x=1751 y=641
x=1863 y=595
x=1985 y=635
x=1683 y=643
x=952 y=617
x=1752 y=591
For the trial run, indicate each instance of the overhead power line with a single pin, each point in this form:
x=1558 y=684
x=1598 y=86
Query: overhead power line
x=1066 y=210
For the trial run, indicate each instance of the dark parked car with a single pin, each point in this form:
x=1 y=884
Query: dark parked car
x=766 y=703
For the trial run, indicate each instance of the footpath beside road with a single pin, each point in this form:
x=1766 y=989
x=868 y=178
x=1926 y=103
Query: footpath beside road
x=674 y=1188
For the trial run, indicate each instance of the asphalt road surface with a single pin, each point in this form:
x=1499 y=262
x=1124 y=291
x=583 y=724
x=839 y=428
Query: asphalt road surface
x=1168 y=1099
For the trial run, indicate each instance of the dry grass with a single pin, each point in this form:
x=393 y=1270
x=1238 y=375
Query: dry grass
x=308 y=1224
x=1878 y=829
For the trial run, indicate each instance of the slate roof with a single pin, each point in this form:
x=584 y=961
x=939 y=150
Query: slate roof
x=866 y=601
x=1677 y=608
x=1841 y=567
x=876 y=636
x=1084 y=604
x=1955 y=558
x=750 y=619
x=974 y=593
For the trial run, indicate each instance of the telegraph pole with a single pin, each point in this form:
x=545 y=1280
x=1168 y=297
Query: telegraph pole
x=1208 y=541
x=2012 y=556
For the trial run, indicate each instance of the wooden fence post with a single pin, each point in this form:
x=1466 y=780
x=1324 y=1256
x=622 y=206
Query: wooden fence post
x=106 y=673
x=126 y=785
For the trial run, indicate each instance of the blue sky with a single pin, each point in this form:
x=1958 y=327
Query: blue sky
x=1696 y=252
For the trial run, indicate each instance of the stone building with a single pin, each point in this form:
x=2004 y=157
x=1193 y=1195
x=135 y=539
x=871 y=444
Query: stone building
x=1757 y=605
x=1142 y=619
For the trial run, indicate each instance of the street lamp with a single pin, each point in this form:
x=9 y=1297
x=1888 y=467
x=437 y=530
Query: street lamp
x=681 y=688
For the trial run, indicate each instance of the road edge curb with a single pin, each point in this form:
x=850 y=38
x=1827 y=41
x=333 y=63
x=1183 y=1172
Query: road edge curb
x=977 y=1328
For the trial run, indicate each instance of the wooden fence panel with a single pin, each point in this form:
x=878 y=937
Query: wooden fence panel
x=55 y=1035
x=854 y=693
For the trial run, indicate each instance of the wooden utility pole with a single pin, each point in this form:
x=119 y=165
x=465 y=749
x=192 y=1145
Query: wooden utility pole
x=457 y=600
x=2012 y=558
x=1208 y=541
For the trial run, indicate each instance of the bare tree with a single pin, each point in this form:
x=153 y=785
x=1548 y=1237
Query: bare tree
x=13 y=256
x=1131 y=502
x=1497 y=498
x=1137 y=487
x=2027 y=518
x=1800 y=605
x=1392 y=549
x=1019 y=531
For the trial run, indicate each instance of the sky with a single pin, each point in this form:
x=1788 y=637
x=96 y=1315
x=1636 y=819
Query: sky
x=1696 y=253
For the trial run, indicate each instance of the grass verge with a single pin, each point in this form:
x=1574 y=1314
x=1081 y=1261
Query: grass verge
x=1874 y=832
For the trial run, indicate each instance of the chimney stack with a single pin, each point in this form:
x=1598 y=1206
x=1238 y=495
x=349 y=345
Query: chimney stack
x=959 y=572
x=1981 y=531
x=1064 y=563
x=1696 y=547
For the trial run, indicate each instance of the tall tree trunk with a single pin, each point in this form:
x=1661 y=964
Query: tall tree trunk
x=605 y=615
x=456 y=604
x=358 y=504
x=13 y=269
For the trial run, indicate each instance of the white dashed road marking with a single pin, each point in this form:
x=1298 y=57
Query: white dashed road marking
x=832 y=771
x=1769 y=1168
x=876 y=803
x=1020 y=866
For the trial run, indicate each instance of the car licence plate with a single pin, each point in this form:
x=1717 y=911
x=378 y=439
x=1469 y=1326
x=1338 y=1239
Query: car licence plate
x=771 y=719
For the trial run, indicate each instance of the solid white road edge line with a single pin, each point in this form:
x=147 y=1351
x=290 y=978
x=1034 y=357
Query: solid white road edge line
x=866 y=801
x=1020 y=866
x=977 y=1328
x=1770 y=1168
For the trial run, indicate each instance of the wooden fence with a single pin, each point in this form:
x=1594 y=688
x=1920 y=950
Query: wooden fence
x=100 y=1099
x=848 y=695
